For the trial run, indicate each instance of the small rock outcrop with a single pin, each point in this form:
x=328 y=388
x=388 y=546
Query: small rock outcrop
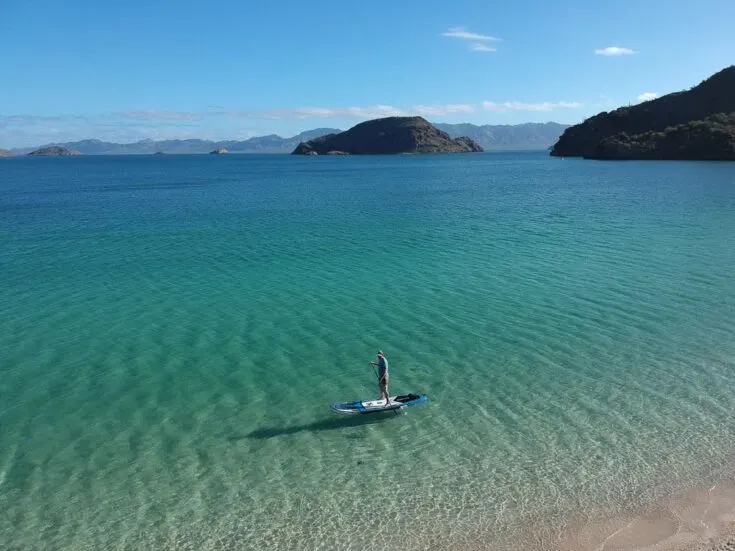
x=5 y=153
x=697 y=124
x=390 y=135
x=54 y=151
x=220 y=151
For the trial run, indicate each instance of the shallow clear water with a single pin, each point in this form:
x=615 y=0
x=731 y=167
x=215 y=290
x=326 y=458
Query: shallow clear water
x=173 y=330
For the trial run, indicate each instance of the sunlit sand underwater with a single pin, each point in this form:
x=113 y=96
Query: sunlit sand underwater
x=174 y=329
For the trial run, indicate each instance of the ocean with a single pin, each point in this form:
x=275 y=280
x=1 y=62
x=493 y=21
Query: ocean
x=173 y=330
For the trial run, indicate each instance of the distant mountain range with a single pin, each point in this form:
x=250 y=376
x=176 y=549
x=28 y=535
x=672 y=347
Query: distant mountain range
x=507 y=137
x=261 y=144
x=527 y=136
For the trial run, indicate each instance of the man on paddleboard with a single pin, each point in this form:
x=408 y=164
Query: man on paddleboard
x=382 y=364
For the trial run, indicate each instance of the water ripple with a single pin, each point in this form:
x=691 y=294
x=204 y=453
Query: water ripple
x=171 y=341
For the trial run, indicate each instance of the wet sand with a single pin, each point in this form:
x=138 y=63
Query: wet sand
x=701 y=519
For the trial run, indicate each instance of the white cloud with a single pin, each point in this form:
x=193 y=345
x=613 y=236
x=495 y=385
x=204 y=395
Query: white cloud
x=520 y=106
x=464 y=34
x=441 y=110
x=614 y=50
x=647 y=96
x=154 y=114
x=301 y=113
x=22 y=130
x=369 y=112
x=479 y=47
x=28 y=120
x=185 y=121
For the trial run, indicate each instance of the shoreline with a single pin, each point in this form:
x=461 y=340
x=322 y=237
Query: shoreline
x=696 y=519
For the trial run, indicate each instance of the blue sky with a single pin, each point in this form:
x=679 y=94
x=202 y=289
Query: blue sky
x=124 y=71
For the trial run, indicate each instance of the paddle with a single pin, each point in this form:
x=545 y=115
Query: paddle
x=375 y=371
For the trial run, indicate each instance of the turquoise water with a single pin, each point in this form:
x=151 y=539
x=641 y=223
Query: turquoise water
x=174 y=329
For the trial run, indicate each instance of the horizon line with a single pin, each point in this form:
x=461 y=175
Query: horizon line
x=255 y=137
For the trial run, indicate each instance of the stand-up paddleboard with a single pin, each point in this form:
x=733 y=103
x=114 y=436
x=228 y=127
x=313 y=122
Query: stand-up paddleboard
x=376 y=406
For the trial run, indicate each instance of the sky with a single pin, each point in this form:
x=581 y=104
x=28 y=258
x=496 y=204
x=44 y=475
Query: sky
x=124 y=71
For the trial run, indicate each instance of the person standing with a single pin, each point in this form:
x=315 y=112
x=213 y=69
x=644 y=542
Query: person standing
x=383 y=377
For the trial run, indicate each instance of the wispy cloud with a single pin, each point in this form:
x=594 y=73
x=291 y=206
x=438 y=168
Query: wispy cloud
x=464 y=34
x=442 y=110
x=369 y=112
x=159 y=115
x=614 y=50
x=185 y=119
x=116 y=130
x=479 y=47
x=520 y=106
x=23 y=129
x=647 y=96
x=301 y=113
x=28 y=120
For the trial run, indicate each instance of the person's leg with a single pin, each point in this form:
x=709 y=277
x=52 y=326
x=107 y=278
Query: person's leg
x=384 y=391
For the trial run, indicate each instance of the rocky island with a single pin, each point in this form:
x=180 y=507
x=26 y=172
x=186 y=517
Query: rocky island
x=697 y=124
x=54 y=151
x=4 y=152
x=219 y=151
x=390 y=135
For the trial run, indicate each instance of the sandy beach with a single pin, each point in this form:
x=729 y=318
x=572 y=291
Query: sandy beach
x=699 y=519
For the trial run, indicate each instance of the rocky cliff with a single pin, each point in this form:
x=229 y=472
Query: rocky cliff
x=695 y=124
x=54 y=151
x=390 y=135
